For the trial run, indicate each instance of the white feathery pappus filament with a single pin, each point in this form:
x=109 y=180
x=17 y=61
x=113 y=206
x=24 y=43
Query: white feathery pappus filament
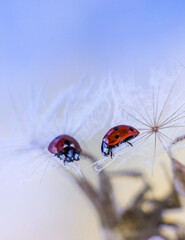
x=158 y=112
x=38 y=118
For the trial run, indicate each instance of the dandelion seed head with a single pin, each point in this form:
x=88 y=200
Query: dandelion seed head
x=157 y=111
x=38 y=118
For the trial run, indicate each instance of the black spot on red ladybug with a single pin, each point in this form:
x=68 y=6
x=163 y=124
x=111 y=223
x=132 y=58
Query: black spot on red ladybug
x=116 y=136
x=67 y=142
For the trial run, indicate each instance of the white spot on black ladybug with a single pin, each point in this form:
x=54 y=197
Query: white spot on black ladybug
x=70 y=153
x=106 y=150
x=76 y=156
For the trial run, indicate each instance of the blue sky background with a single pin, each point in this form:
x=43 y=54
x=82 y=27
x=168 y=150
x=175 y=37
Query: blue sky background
x=66 y=39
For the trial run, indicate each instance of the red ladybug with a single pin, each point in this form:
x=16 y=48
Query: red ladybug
x=65 y=148
x=115 y=136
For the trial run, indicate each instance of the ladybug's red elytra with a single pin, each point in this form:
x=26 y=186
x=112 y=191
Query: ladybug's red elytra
x=66 y=148
x=117 y=135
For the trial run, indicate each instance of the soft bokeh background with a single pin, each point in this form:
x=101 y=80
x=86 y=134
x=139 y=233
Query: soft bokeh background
x=60 y=42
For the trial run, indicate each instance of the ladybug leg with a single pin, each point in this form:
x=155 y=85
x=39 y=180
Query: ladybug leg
x=130 y=144
x=64 y=162
x=111 y=154
x=57 y=155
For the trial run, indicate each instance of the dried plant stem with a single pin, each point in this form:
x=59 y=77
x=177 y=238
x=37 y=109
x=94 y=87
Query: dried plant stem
x=177 y=168
x=126 y=224
x=101 y=196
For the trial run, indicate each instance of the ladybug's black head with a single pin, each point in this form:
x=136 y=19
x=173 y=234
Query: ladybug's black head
x=69 y=154
x=105 y=149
